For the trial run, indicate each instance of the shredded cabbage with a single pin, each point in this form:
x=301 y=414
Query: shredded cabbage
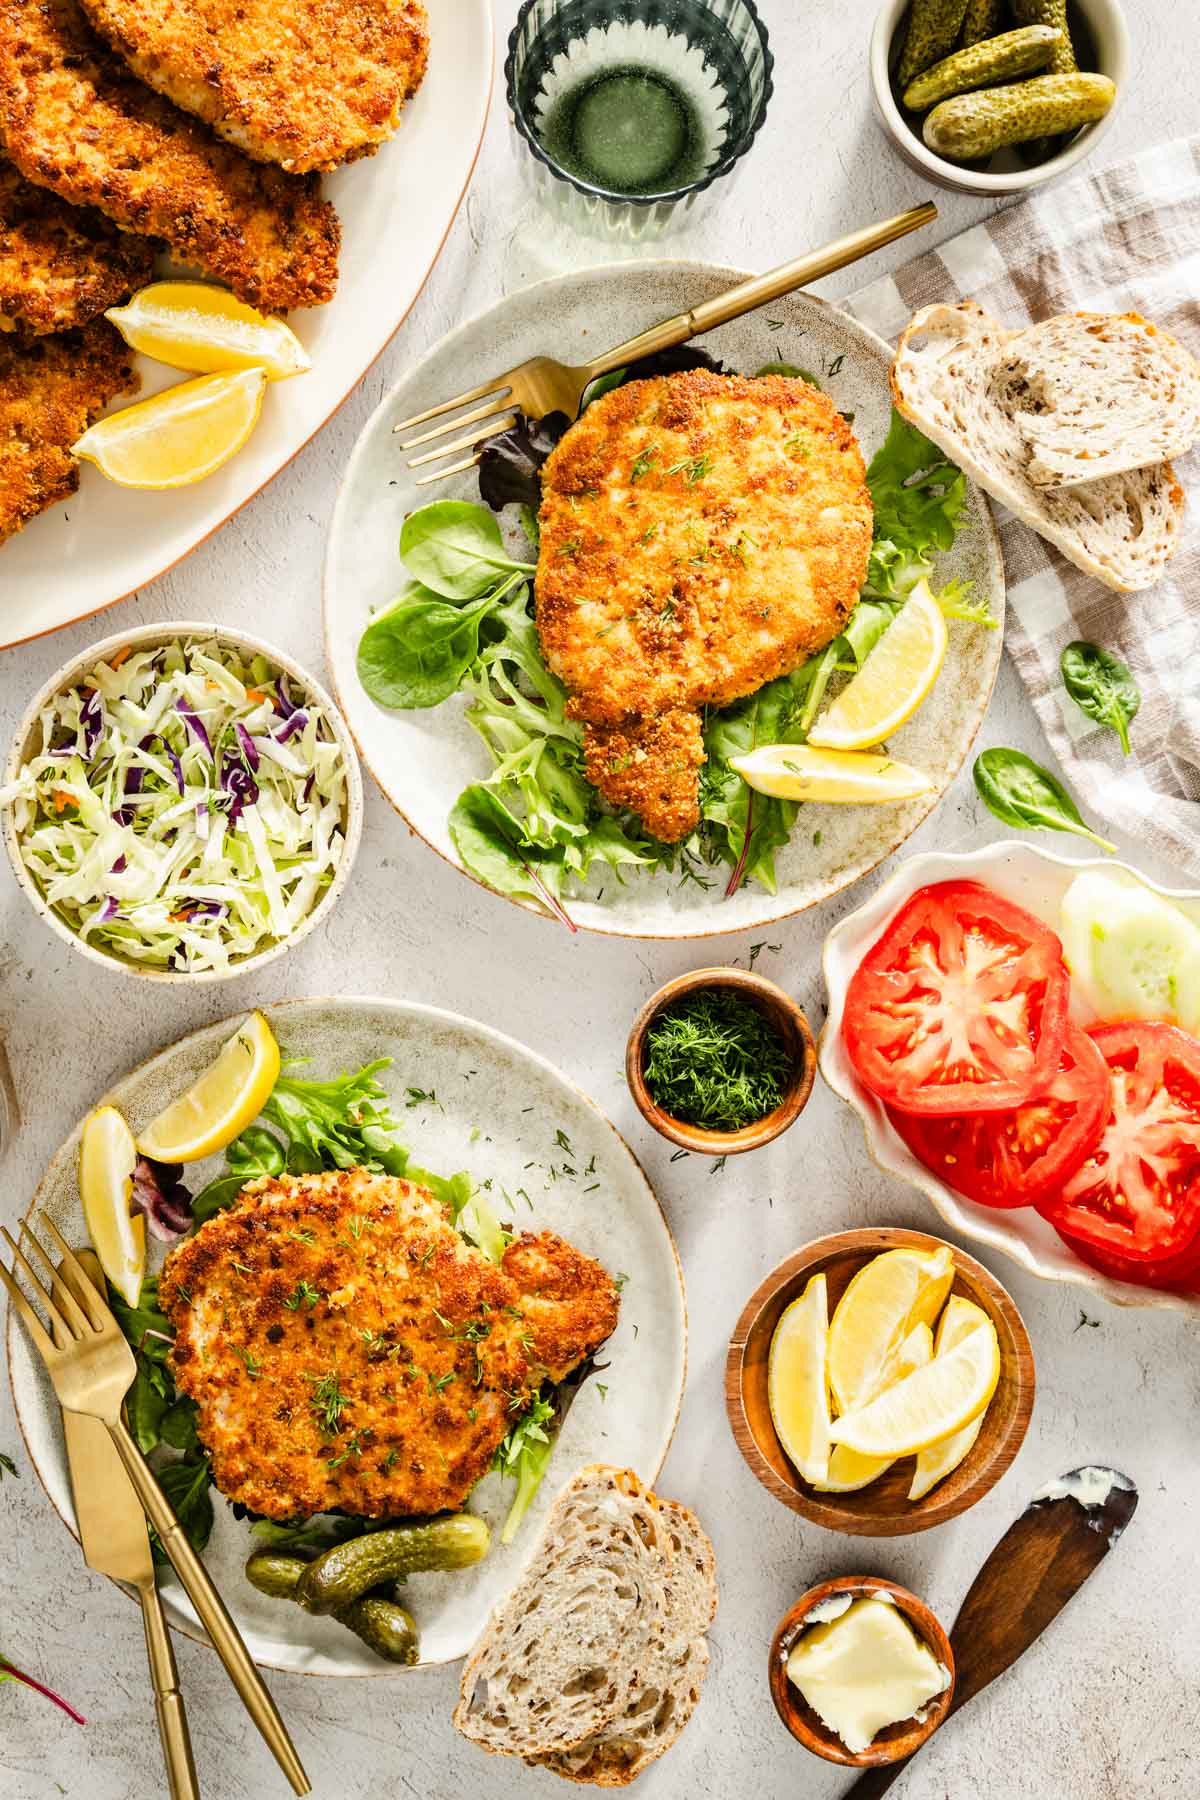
x=183 y=810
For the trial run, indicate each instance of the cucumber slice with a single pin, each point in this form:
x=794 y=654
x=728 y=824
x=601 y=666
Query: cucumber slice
x=1132 y=953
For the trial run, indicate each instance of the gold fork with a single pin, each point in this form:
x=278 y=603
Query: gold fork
x=542 y=385
x=92 y=1373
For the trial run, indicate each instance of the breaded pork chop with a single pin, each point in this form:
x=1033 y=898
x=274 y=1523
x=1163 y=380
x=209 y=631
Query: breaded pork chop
x=74 y=120
x=51 y=390
x=700 y=535
x=307 y=85
x=60 y=265
x=347 y=1348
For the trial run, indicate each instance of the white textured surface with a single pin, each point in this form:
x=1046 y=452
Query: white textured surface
x=1105 y=1705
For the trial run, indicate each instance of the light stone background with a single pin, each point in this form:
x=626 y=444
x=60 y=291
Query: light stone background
x=1106 y=1705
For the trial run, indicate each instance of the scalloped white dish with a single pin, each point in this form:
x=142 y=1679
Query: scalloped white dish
x=1037 y=880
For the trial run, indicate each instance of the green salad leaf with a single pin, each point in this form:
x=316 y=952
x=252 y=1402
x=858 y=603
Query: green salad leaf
x=525 y=1456
x=456 y=549
x=416 y=654
x=1101 y=686
x=1020 y=792
x=919 y=497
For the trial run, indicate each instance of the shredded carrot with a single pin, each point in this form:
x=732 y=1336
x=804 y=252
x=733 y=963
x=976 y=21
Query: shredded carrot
x=252 y=694
x=62 y=799
x=180 y=918
x=126 y=650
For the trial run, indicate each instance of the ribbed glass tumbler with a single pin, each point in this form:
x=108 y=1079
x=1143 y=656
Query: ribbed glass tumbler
x=628 y=112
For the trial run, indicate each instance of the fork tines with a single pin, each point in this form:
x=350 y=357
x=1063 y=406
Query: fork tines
x=496 y=414
x=74 y=1318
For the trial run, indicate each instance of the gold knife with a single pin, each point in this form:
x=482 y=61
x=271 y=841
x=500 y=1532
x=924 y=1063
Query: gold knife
x=112 y=1527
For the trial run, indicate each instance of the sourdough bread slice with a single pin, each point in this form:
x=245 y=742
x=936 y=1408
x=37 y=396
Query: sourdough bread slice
x=1097 y=394
x=562 y=1655
x=668 y=1690
x=1121 y=529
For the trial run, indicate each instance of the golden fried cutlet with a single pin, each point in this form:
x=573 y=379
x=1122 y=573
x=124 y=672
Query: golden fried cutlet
x=61 y=265
x=51 y=389
x=74 y=120
x=700 y=535
x=348 y=1349
x=308 y=85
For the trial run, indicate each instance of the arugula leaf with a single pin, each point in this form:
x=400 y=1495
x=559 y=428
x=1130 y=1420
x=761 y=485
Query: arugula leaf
x=455 y=548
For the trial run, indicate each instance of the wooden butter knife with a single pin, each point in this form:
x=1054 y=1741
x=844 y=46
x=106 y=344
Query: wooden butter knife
x=1064 y=1533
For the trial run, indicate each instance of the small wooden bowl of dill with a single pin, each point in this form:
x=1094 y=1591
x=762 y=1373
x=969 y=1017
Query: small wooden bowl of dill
x=720 y=1061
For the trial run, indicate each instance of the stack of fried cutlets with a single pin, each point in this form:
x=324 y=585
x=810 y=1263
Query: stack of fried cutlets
x=198 y=126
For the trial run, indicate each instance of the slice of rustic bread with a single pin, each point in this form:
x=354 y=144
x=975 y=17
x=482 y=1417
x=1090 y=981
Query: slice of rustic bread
x=668 y=1690
x=1121 y=529
x=561 y=1657
x=1097 y=394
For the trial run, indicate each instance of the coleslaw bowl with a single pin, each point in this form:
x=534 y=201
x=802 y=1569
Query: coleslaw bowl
x=1035 y=879
x=143 y=637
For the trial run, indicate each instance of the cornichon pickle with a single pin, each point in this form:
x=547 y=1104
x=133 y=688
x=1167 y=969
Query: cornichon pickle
x=340 y=1575
x=275 y=1572
x=1050 y=12
x=383 y=1627
x=382 y=1623
x=973 y=125
x=981 y=20
x=933 y=26
x=1012 y=53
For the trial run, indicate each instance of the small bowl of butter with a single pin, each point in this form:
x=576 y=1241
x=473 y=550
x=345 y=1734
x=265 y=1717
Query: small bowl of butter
x=861 y=1671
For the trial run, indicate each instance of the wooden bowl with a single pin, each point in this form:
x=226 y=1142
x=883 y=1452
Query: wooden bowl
x=883 y=1509
x=789 y=1021
x=894 y=1742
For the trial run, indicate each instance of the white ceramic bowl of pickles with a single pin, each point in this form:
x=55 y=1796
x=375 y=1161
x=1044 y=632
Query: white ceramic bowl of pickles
x=1101 y=44
x=1034 y=879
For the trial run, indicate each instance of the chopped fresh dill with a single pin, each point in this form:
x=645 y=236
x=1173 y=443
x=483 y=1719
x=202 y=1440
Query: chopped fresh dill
x=713 y=1059
x=327 y=1401
x=303 y=1294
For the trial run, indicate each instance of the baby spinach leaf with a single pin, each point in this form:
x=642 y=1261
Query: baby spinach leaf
x=417 y=654
x=1020 y=792
x=145 y=1408
x=491 y=842
x=254 y=1154
x=455 y=548
x=178 y=1427
x=186 y=1484
x=1101 y=686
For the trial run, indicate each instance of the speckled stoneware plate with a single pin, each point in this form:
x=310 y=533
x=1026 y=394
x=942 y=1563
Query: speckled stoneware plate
x=395 y=209
x=516 y=1102
x=423 y=760
x=1034 y=879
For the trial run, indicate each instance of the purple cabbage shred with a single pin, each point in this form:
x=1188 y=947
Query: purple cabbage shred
x=194 y=723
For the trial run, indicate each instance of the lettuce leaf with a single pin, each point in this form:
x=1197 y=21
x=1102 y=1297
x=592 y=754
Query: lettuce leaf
x=919 y=497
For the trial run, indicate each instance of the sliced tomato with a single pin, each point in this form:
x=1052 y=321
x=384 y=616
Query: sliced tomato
x=1132 y=1208
x=961 y=1006
x=1017 y=1157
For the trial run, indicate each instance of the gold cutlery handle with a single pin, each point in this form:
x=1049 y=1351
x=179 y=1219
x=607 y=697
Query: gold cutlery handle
x=226 y=1638
x=760 y=288
x=168 y=1701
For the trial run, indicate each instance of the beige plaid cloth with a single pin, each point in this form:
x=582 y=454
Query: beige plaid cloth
x=1127 y=239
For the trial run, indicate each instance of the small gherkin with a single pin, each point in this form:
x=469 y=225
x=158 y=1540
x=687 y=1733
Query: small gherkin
x=974 y=125
x=982 y=19
x=995 y=59
x=933 y=26
x=1050 y=12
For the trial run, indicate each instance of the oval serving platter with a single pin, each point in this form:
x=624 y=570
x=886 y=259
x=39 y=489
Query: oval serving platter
x=423 y=760
x=396 y=208
x=487 y=1084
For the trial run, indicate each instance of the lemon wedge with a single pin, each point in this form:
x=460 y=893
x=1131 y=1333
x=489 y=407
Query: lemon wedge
x=928 y=1405
x=884 y=1301
x=178 y=436
x=893 y=681
x=796 y=1386
x=218 y=1107
x=960 y=1318
x=194 y=325
x=847 y=1469
x=833 y=777
x=107 y=1159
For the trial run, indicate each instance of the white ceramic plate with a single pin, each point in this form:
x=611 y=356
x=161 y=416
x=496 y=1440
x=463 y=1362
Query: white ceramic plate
x=517 y=1102
x=395 y=208
x=1034 y=879
x=423 y=760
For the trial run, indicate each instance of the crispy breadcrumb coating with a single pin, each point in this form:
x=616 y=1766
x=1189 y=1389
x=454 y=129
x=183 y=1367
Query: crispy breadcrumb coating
x=74 y=120
x=61 y=265
x=347 y=1348
x=308 y=85
x=700 y=535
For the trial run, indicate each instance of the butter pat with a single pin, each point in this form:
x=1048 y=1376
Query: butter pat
x=864 y=1670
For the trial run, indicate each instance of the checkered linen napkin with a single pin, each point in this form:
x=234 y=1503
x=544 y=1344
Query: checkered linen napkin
x=1127 y=239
